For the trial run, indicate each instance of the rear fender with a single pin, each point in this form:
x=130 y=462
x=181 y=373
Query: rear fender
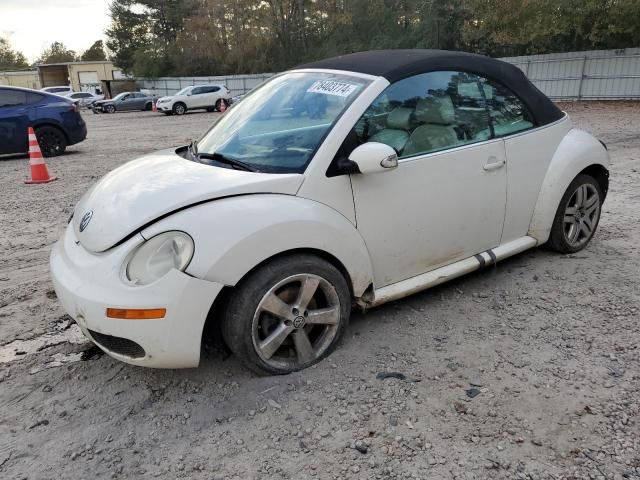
x=577 y=151
x=233 y=235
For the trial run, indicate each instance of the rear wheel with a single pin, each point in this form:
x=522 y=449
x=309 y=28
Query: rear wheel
x=51 y=140
x=179 y=109
x=287 y=315
x=578 y=215
x=148 y=107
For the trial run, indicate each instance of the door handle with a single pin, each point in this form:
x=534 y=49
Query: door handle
x=494 y=165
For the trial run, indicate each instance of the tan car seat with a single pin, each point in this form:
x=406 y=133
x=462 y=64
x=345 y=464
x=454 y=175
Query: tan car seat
x=397 y=132
x=437 y=114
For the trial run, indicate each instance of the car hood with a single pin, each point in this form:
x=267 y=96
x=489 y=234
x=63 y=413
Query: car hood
x=139 y=192
x=168 y=97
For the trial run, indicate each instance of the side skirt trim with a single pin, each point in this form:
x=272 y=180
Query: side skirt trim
x=449 y=272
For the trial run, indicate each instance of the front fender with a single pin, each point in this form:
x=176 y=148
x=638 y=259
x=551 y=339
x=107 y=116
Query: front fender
x=577 y=151
x=233 y=235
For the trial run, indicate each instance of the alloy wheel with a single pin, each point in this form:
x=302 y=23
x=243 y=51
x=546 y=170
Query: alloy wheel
x=296 y=321
x=51 y=142
x=581 y=215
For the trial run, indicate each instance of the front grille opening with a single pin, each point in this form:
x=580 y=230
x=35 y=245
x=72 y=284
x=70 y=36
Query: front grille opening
x=119 y=345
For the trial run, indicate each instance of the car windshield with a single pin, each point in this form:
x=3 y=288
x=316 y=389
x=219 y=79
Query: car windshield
x=278 y=127
x=120 y=95
x=184 y=91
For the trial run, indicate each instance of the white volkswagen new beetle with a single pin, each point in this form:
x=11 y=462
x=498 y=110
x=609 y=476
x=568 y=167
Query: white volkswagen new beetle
x=351 y=181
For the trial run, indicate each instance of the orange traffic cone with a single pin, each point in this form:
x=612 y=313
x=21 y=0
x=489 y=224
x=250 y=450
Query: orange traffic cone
x=39 y=171
x=223 y=105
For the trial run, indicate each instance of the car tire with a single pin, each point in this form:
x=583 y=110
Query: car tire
x=179 y=108
x=219 y=104
x=578 y=215
x=109 y=109
x=147 y=107
x=296 y=343
x=51 y=140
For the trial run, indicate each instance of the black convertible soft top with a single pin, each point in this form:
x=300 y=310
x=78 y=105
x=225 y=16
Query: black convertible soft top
x=395 y=65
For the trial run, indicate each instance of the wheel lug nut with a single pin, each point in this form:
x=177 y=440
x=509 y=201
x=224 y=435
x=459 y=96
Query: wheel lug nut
x=294 y=311
x=288 y=323
x=306 y=313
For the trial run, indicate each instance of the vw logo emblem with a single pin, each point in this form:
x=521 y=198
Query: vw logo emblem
x=299 y=322
x=86 y=218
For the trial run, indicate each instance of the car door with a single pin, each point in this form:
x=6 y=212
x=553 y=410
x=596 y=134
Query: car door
x=446 y=199
x=529 y=149
x=137 y=101
x=212 y=93
x=197 y=98
x=14 y=120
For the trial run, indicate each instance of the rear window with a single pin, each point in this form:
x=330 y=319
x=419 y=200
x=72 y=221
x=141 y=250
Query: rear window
x=11 y=98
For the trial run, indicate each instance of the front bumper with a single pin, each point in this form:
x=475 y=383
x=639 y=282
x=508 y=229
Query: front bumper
x=164 y=107
x=87 y=284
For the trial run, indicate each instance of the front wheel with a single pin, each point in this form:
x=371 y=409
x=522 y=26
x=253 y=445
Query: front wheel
x=110 y=109
x=179 y=109
x=578 y=215
x=287 y=315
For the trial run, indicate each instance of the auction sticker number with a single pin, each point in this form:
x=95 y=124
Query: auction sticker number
x=331 y=87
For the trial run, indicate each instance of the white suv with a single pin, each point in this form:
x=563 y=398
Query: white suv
x=209 y=97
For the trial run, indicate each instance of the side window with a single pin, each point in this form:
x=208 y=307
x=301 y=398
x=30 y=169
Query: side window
x=427 y=113
x=213 y=89
x=197 y=91
x=33 y=98
x=508 y=113
x=12 y=98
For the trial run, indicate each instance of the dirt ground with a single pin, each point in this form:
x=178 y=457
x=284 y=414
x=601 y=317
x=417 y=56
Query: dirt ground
x=549 y=343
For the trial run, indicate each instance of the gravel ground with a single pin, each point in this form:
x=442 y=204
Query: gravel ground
x=547 y=346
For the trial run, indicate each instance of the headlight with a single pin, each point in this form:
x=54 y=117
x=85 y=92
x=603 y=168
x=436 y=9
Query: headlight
x=158 y=255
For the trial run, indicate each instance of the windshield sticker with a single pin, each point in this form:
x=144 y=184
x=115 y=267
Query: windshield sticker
x=330 y=87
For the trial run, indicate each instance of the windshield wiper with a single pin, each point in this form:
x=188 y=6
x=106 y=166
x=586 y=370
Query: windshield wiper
x=219 y=157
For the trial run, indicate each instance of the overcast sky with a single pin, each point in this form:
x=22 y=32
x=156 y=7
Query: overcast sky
x=31 y=25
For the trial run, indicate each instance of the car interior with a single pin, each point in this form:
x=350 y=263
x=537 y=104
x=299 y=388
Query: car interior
x=465 y=109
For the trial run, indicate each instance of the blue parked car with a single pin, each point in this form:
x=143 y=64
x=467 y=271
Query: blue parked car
x=55 y=119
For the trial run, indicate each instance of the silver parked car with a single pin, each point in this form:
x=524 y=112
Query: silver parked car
x=124 y=101
x=84 y=99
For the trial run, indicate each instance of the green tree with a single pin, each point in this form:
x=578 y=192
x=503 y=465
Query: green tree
x=205 y=37
x=94 y=53
x=57 y=53
x=9 y=58
x=128 y=34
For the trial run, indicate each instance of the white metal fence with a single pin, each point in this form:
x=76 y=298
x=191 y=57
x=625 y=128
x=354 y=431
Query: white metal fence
x=237 y=84
x=592 y=75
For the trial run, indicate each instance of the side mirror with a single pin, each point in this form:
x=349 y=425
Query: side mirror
x=189 y=94
x=374 y=157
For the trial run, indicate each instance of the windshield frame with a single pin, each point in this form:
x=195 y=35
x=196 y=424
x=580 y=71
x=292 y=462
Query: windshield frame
x=184 y=91
x=365 y=82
